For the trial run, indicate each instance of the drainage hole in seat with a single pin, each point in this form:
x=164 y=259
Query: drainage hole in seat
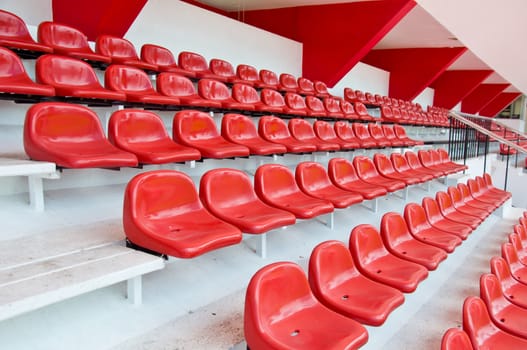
x=345 y=297
x=295 y=333
x=502 y=320
x=379 y=271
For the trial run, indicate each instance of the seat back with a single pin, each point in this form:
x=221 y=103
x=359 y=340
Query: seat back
x=443 y=154
x=269 y=77
x=272 y=98
x=476 y=321
x=369 y=97
x=348 y=110
x=464 y=190
x=361 y=131
x=222 y=68
x=58 y=71
x=456 y=339
x=321 y=89
x=191 y=126
x=432 y=211
x=444 y=202
x=434 y=155
x=13 y=27
x=520 y=230
x=11 y=68
x=62 y=37
x=361 y=110
x=383 y=164
x=324 y=130
x=247 y=73
x=192 y=61
x=273 y=128
x=274 y=181
x=349 y=95
x=415 y=217
x=301 y=129
x=474 y=187
x=237 y=127
x=115 y=47
x=425 y=157
x=399 y=162
x=288 y=81
x=332 y=105
x=158 y=55
x=491 y=292
x=500 y=268
x=127 y=79
x=305 y=86
x=213 y=90
x=388 y=133
x=341 y=171
x=311 y=176
x=394 y=230
x=508 y=252
x=365 y=167
x=315 y=105
x=413 y=160
x=173 y=84
x=365 y=245
x=129 y=126
x=376 y=131
x=295 y=101
x=245 y=94
x=344 y=130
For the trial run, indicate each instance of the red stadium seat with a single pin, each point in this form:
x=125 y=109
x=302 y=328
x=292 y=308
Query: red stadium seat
x=162 y=213
x=388 y=116
x=376 y=262
x=378 y=135
x=445 y=159
x=345 y=132
x=447 y=208
x=362 y=112
x=469 y=200
x=425 y=157
x=224 y=71
x=273 y=101
x=195 y=63
x=482 y=332
x=276 y=186
x=338 y=284
x=518 y=270
x=143 y=133
x=464 y=208
x=248 y=74
x=14 y=81
x=480 y=195
x=163 y=59
x=456 y=339
x=240 y=129
x=326 y=133
x=362 y=133
x=313 y=179
x=348 y=110
x=400 y=132
x=15 y=35
x=385 y=168
x=415 y=164
x=247 y=95
x=197 y=130
x=398 y=240
x=488 y=181
x=307 y=324
x=295 y=104
x=367 y=172
x=437 y=220
x=449 y=167
x=390 y=136
x=71 y=77
x=400 y=164
x=66 y=40
x=315 y=107
x=175 y=85
x=274 y=129
x=332 y=105
x=305 y=86
x=321 y=89
x=70 y=136
x=350 y=95
x=269 y=79
x=288 y=83
x=121 y=51
x=213 y=90
x=302 y=130
x=514 y=291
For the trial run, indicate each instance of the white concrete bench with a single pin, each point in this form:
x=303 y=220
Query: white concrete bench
x=35 y=172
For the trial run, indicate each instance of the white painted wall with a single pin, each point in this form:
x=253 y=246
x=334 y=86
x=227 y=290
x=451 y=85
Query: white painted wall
x=425 y=98
x=182 y=27
x=366 y=78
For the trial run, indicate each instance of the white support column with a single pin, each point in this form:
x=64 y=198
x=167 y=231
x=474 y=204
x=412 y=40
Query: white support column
x=36 y=192
x=405 y=193
x=261 y=245
x=134 y=290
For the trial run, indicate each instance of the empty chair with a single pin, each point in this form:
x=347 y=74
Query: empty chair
x=288 y=83
x=302 y=130
x=470 y=200
x=390 y=136
x=162 y=213
x=518 y=270
x=521 y=251
x=163 y=59
x=14 y=79
x=305 y=86
x=456 y=339
x=450 y=168
x=367 y=171
x=224 y=71
x=362 y=112
x=485 y=192
x=483 y=333
x=343 y=174
x=295 y=104
x=180 y=87
x=344 y=131
x=398 y=240
x=312 y=178
x=481 y=195
x=248 y=74
x=332 y=105
x=378 y=135
x=269 y=79
x=445 y=159
x=420 y=228
x=15 y=35
x=350 y=95
x=66 y=40
x=326 y=132
x=388 y=116
x=283 y=286
x=315 y=107
x=509 y=317
x=273 y=101
x=121 y=51
x=514 y=291
x=338 y=284
x=437 y=220
x=376 y=262
x=250 y=99
x=400 y=164
x=415 y=163
x=240 y=129
x=362 y=133
x=321 y=89
x=348 y=110
x=426 y=159
x=197 y=130
x=386 y=169
x=400 y=132
x=70 y=136
x=71 y=77
x=492 y=189
x=213 y=90
x=275 y=184
x=136 y=85
x=460 y=205
x=274 y=129
x=447 y=208
x=197 y=64
x=143 y=133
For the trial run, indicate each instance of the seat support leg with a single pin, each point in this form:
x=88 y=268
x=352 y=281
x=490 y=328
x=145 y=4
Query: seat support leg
x=134 y=290
x=330 y=221
x=36 y=192
x=375 y=204
x=405 y=193
x=261 y=245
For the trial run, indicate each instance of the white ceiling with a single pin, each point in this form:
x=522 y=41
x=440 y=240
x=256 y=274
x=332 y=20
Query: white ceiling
x=247 y=5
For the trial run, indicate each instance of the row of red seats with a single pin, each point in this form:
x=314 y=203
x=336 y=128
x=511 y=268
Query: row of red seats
x=158 y=202
x=72 y=136
x=363 y=283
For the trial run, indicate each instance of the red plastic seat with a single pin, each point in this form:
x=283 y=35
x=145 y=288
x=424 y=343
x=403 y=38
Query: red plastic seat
x=121 y=51
x=362 y=112
x=163 y=59
x=197 y=130
x=312 y=178
x=514 y=291
x=415 y=163
x=248 y=96
x=143 y=133
x=437 y=220
x=367 y=172
x=488 y=181
x=71 y=136
x=197 y=64
x=362 y=133
x=224 y=71
x=136 y=85
x=509 y=317
x=378 y=135
x=445 y=159
x=248 y=74
x=398 y=240
x=326 y=132
x=388 y=116
x=162 y=213
x=345 y=132
x=321 y=89
x=348 y=110
x=274 y=129
x=229 y=195
x=481 y=195
x=71 y=77
x=305 y=86
x=273 y=101
x=470 y=200
x=521 y=251
x=343 y=174
x=518 y=270
x=295 y=104
x=450 y=168
x=460 y=205
x=240 y=129
x=315 y=107
x=14 y=79
x=15 y=35
x=420 y=228
x=332 y=105
x=456 y=339
x=482 y=332
x=426 y=160
x=269 y=79
x=486 y=192
x=400 y=164
x=350 y=95
x=175 y=85
x=214 y=90
x=338 y=284
x=66 y=40
x=447 y=208
x=390 y=136
x=276 y=186
x=385 y=168
x=306 y=324
x=288 y=83
x=374 y=261
x=302 y=130
x=400 y=132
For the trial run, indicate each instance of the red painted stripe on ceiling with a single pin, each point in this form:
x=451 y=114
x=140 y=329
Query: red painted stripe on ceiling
x=481 y=97
x=453 y=86
x=96 y=17
x=413 y=69
x=499 y=103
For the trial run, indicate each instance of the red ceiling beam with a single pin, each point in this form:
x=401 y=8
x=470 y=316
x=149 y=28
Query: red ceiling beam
x=499 y=103
x=413 y=69
x=96 y=17
x=454 y=85
x=481 y=96
x=335 y=37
